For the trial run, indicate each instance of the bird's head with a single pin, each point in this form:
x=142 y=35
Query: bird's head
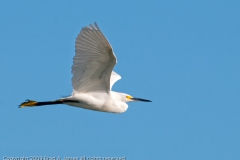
x=129 y=98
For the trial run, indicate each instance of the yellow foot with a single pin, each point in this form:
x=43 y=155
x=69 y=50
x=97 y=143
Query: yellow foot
x=28 y=103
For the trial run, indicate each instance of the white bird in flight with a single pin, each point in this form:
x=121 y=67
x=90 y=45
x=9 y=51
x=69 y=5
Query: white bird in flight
x=93 y=76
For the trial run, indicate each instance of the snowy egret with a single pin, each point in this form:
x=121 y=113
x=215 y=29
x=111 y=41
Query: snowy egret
x=93 y=76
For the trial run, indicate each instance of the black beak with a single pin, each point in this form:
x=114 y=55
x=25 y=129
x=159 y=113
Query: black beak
x=140 y=99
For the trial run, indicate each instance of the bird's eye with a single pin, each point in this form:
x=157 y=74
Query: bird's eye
x=129 y=97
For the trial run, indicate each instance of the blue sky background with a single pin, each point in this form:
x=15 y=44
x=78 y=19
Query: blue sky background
x=183 y=55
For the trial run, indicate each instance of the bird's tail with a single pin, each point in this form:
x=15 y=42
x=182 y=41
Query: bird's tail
x=31 y=103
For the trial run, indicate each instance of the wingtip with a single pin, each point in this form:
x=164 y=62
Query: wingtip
x=96 y=26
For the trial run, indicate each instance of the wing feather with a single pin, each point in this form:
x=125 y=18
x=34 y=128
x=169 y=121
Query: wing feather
x=114 y=78
x=93 y=62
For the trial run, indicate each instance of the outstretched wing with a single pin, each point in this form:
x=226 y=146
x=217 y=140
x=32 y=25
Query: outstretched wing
x=93 y=62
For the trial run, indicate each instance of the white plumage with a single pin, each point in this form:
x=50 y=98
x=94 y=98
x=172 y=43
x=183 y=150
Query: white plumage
x=93 y=76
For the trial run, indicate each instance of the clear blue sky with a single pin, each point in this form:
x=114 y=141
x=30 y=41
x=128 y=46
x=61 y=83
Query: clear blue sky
x=182 y=55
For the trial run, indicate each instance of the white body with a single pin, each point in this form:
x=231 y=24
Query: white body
x=99 y=101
